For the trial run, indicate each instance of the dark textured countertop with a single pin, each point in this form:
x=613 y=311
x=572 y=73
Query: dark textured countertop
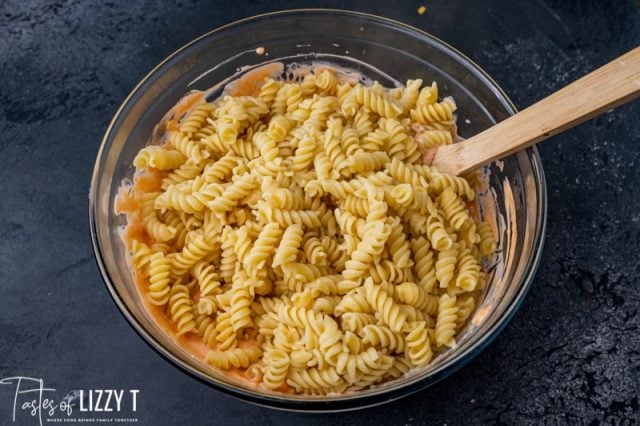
x=570 y=355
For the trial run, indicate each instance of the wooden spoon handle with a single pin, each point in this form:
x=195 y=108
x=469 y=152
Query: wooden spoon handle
x=613 y=84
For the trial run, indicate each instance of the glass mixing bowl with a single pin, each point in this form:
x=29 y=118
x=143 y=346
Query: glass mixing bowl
x=383 y=50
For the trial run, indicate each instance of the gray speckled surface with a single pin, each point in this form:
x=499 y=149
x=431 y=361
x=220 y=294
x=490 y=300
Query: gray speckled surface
x=571 y=354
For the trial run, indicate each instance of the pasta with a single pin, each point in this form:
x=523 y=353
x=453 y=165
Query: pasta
x=277 y=363
x=159 y=158
x=294 y=232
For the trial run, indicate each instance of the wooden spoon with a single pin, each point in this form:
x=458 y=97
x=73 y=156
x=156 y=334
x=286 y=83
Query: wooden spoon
x=607 y=87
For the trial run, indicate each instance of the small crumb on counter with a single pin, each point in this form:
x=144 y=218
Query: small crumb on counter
x=422 y=9
x=260 y=50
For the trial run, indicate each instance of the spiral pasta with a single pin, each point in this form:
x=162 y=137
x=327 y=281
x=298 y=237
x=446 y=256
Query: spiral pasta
x=287 y=250
x=189 y=148
x=446 y=322
x=158 y=158
x=277 y=366
x=314 y=252
x=209 y=287
x=378 y=103
x=468 y=271
x=304 y=152
x=291 y=230
x=383 y=336
x=434 y=138
x=241 y=188
x=418 y=344
x=446 y=265
x=197 y=118
x=268 y=90
x=424 y=264
x=226 y=336
x=315 y=379
x=194 y=250
x=439 y=112
x=367 y=162
x=398 y=244
x=454 y=209
x=327 y=82
x=157 y=229
x=385 y=306
x=180 y=307
x=411 y=294
x=238 y=357
x=159 y=268
x=263 y=248
x=458 y=185
x=181 y=174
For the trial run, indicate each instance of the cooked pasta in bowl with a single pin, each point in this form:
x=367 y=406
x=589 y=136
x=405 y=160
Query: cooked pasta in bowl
x=262 y=216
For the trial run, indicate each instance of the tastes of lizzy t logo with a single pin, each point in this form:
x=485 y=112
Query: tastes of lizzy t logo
x=33 y=400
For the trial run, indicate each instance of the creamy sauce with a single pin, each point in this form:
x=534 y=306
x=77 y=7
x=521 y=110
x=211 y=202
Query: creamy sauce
x=249 y=83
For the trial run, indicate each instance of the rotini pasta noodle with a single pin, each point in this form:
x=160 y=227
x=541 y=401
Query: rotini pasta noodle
x=434 y=138
x=354 y=301
x=194 y=250
x=382 y=336
x=446 y=322
x=189 y=148
x=424 y=264
x=454 y=209
x=197 y=118
x=314 y=252
x=240 y=303
x=367 y=162
x=399 y=245
x=141 y=256
x=400 y=367
x=415 y=296
x=446 y=265
x=158 y=230
x=355 y=321
x=159 y=268
x=277 y=365
x=262 y=249
x=436 y=113
x=209 y=287
x=206 y=329
x=180 y=307
x=418 y=344
x=268 y=90
x=465 y=305
x=238 y=357
x=158 y=158
x=183 y=173
x=376 y=102
x=468 y=271
x=315 y=379
x=385 y=306
x=459 y=185
x=375 y=141
x=226 y=336
x=287 y=251
x=304 y=152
